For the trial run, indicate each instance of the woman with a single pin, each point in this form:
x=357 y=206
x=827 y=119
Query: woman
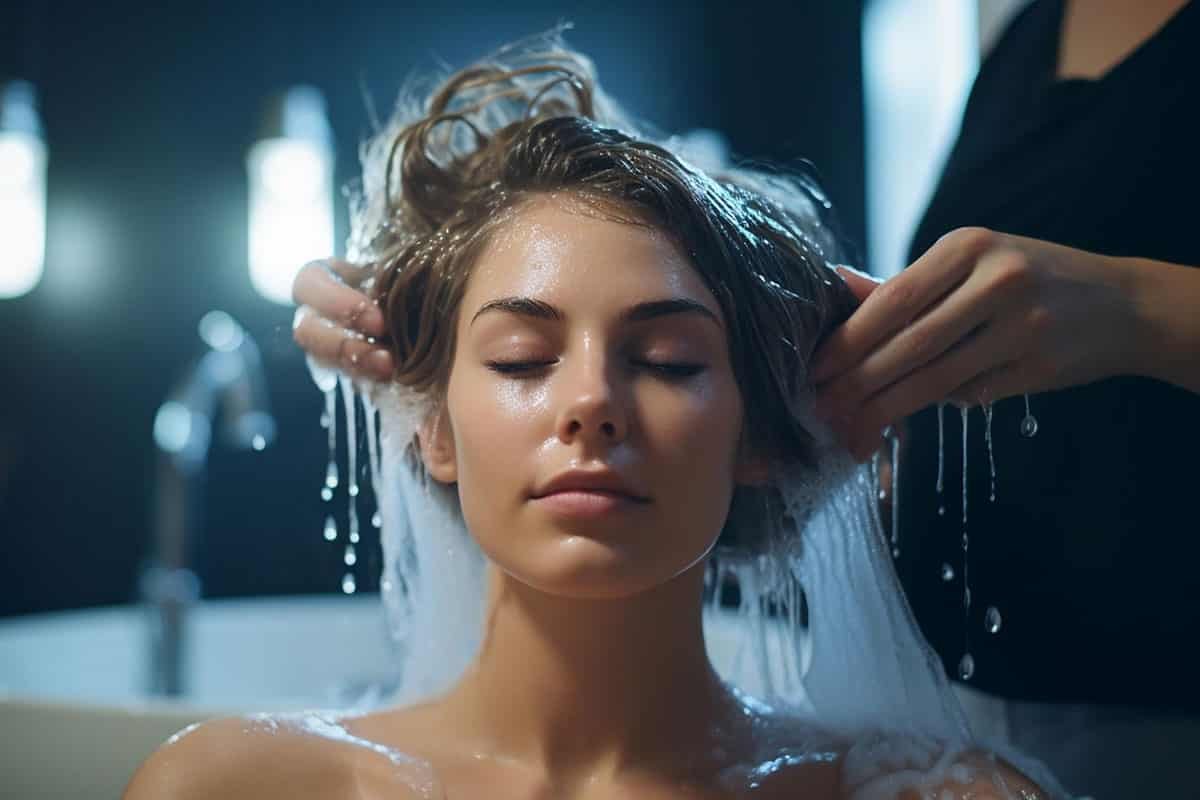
x=602 y=353
x=1077 y=155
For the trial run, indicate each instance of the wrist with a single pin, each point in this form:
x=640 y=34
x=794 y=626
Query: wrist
x=1166 y=299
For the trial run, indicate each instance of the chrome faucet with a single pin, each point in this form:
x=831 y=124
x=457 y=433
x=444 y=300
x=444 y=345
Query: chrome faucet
x=230 y=374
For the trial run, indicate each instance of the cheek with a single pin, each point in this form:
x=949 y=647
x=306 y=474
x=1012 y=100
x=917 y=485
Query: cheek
x=696 y=446
x=700 y=431
x=493 y=438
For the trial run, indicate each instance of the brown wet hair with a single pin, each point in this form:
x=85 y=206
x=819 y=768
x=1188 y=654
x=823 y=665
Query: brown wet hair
x=527 y=124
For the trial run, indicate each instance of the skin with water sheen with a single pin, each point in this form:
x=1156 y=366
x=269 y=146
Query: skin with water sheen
x=592 y=680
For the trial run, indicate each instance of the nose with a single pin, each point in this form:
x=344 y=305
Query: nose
x=592 y=412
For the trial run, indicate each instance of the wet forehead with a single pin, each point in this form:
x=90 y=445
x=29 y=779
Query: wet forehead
x=574 y=257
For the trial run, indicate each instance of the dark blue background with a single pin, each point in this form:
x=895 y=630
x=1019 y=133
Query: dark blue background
x=149 y=110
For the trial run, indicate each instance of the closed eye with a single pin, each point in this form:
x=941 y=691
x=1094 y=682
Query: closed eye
x=670 y=369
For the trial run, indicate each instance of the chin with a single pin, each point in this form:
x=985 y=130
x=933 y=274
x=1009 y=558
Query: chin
x=578 y=566
x=582 y=567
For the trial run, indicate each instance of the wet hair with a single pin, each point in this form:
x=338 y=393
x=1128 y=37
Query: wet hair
x=531 y=122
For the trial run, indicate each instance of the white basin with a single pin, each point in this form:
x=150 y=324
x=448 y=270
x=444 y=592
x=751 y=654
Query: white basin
x=75 y=721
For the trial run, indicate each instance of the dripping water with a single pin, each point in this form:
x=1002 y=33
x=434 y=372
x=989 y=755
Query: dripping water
x=991 y=620
x=348 y=399
x=895 y=496
x=987 y=435
x=966 y=667
x=330 y=416
x=941 y=456
x=350 y=556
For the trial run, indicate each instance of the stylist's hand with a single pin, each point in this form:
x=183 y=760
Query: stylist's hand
x=337 y=324
x=979 y=317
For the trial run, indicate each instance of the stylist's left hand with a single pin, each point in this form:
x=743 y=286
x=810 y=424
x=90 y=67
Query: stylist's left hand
x=979 y=317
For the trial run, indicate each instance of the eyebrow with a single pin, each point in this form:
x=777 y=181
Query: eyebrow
x=651 y=309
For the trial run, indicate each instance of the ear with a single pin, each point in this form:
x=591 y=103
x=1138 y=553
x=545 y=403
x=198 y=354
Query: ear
x=435 y=437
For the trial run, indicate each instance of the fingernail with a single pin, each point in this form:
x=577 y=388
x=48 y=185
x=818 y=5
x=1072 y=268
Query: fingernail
x=372 y=320
x=380 y=362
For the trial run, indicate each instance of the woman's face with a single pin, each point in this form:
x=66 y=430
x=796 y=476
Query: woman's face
x=589 y=345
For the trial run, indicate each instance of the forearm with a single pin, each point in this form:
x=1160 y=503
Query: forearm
x=1168 y=309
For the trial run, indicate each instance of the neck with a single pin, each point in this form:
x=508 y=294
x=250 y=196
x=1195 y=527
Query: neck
x=575 y=687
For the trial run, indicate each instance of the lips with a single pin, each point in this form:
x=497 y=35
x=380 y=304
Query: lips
x=597 y=482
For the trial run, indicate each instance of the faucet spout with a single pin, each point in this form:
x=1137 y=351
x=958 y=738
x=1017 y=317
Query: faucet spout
x=227 y=378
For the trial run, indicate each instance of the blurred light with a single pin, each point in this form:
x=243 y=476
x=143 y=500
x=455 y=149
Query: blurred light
x=22 y=191
x=173 y=426
x=919 y=58
x=220 y=332
x=291 y=193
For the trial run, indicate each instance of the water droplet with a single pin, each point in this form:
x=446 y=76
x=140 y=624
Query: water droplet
x=324 y=420
x=258 y=442
x=991 y=620
x=1029 y=425
x=350 y=557
x=895 y=552
x=882 y=494
x=331 y=475
x=941 y=511
x=330 y=528
x=947 y=573
x=377 y=520
x=353 y=490
x=353 y=537
x=326 y=493
x=966 y=667
x=385 y=585
x=348 y=585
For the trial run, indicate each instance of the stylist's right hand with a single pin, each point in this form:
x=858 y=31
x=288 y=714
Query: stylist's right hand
x=979 y=317
x=336 y=324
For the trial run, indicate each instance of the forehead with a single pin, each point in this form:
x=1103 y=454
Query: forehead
x=561 y=249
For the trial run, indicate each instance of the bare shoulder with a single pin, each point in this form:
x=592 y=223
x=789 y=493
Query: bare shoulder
x=266 y=757
x=912 y=766
x=987 y=778
x=793 y=758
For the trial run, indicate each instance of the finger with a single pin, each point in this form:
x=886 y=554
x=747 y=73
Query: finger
x=350 y=274
x=861 y=284
x=901 y=299
x=947 y=322
x=319 y=286
x=984 y=349
x=336 y=347
x=998 y=383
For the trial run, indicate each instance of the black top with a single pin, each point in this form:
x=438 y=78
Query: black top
x=1091 y=550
